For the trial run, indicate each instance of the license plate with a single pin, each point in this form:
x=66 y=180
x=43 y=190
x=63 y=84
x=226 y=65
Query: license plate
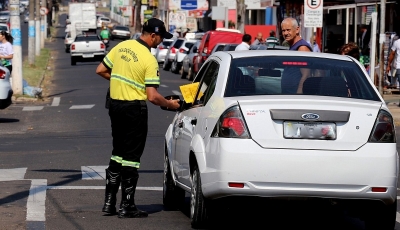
x=87 y=55
x=309 y=130
x=121 y=34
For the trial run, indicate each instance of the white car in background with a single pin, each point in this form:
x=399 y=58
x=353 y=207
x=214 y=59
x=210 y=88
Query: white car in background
x=162 y=50
x=5 y=88
x=4 y=27
x=176 y=64
x=283 y=125
x=103 y=21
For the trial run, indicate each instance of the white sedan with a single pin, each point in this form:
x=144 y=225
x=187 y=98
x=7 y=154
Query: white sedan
x=5 y=88
x=283 y=124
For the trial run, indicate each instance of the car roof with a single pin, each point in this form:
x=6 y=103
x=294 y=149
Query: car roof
x=252 y=53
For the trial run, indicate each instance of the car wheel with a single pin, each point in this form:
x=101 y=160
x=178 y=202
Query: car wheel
x=166 y=65
x=174 y=67
x=183 y=73
x=173 y=196
x=198 y=215
x=73 y=61
x=381 y=216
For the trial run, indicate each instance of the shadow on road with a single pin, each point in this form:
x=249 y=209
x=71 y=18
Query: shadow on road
x=8 y=120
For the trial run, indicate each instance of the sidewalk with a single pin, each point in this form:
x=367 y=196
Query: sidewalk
x=393 y=103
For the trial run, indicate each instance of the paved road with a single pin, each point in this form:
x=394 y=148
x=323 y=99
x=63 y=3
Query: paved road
x=53 y=154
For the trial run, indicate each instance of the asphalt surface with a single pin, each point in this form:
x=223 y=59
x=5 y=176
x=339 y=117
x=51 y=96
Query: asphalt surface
x=53 y=143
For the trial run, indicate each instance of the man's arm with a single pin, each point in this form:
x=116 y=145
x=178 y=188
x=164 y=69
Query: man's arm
x=390 y=60
x=157 y=99
x=304 y=72
x=103 y=71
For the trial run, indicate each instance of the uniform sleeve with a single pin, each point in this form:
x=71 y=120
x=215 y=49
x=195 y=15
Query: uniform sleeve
x=152 y=75
x=108 y=60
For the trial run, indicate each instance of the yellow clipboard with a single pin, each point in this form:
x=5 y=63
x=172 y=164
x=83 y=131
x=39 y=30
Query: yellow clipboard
x=189 y=91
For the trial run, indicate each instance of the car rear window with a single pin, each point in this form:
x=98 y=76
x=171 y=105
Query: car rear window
x=232 y=47
x=178 y=43
x=166 y=43
x=122 y=28
x=282 y=76
x=3 y=28
x=189 y=45
x=86 y=38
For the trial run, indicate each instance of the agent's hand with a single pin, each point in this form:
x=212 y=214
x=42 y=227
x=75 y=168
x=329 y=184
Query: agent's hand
x=173 y=104
x=388 y=69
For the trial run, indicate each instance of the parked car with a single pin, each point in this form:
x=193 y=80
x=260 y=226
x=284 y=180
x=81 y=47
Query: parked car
x=103 y=21
x=224 y=47
x=333 y=139
x=122 y=32
x=87 y=47
x=187 y=63
x=4 y=27
x=68 y=40
x=182 y=52
x=209 y=40
x=5 y=16
x=136 y=36
x=170 y=56
x=162 y=50
x=5 y=88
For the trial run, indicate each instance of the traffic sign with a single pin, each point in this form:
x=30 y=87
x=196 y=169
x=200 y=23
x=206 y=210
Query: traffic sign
x=313 y=13
x=44 y=10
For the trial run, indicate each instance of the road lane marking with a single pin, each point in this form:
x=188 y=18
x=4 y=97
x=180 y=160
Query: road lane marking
x=32 y=108
x=81 y=107
x=93 y=172
x=176 y=92
x=56 y=101
x=12 y=174
x=36 y=208
x=165 y=86
x=98 y=188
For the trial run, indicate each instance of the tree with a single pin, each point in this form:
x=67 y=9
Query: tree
x=241 y=14
x=138 y=23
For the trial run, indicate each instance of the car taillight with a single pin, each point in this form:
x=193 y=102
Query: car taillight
x=73 y=47
x=383 y=131
x=102 y=46
x=160 y=47
x=173 y=50
x=2 y=74
x=231 y=124
x=181 y=50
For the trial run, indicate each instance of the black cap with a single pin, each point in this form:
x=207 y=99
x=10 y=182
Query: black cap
x=154 y=25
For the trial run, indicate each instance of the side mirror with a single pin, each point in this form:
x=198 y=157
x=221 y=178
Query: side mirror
x=173 y=97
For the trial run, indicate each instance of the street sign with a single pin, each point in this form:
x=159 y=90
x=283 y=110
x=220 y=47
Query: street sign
x=313 y=13
x=43 y=10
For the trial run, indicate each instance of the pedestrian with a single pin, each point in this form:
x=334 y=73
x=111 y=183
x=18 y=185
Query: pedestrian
x=259 y=40
x=394 y=55
x=272 y=40
x=6 y=49
x=314 y=45
x=245 y=45
x=350 y=49
x=134 y=78
x=293 y=78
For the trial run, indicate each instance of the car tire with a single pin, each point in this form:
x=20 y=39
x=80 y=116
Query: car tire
x=166 y=65
x=381 y=216
x=66 y=50
x=73 y=61
x=173 y=196
x=183 y=73
x=174 y=67
x=198 y=215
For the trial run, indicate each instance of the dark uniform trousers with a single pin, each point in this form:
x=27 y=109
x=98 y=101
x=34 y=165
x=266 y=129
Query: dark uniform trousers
x=129 y=132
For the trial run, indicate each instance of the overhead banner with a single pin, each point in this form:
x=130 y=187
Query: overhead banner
x=313 y=13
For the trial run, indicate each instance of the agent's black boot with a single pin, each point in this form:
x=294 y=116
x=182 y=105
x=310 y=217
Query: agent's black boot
x=128 y=208
x=112 y=184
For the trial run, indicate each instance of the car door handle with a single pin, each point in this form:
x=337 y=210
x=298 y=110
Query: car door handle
x=194 y=121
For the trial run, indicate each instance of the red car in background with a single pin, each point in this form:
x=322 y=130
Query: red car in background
x=209 y=40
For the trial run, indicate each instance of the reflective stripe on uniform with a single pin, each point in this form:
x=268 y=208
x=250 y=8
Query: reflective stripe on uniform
x=152 y=81
x=116 y=158
x=127 y=81
x=109 y=63
x=130 y=164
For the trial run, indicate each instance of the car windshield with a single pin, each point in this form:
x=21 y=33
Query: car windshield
x=86 y=38
x=122 y=28
x=282 y=76
x=3 y=28
x=4 y=13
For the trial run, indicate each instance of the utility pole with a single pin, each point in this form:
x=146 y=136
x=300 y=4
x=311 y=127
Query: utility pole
x=15 y=25
x=382 y=38
x=37 y=25
x=31 y=33
x=241 y=12
x=42 y=37
x=138 y=22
